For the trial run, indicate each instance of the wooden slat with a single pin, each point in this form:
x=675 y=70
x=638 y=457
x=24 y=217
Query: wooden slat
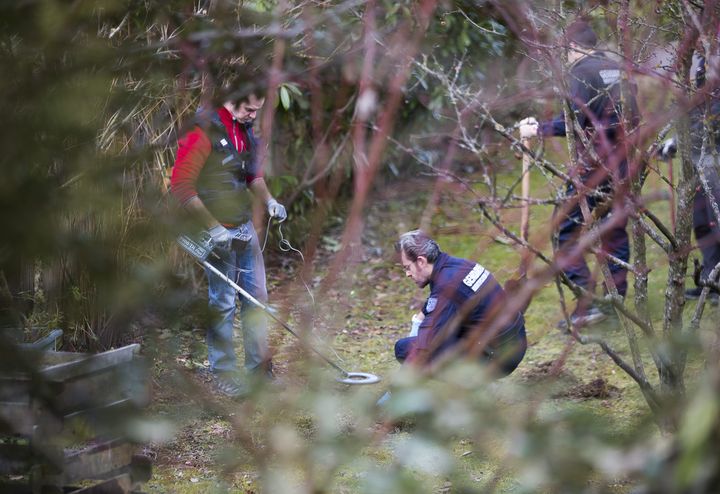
x=14 y=488
x=107 y=420
x=91 y=364
x=54 y=358
x=29 y=359
x=17 y=418
x=23 y=390
x=122 y=381
x=14 y=459
x=122 y=484
x=44 y=344
x=15 y=390
x=18 y=387
x=91 y=395
x=98 y=461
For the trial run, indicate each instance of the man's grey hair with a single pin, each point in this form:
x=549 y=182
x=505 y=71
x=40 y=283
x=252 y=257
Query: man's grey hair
x=418 y=243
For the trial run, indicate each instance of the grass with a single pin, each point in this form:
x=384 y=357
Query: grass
x=361 y=316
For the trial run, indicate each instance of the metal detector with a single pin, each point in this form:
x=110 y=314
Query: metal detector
x=202 y=248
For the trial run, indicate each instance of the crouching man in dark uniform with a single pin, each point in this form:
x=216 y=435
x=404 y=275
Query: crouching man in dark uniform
x=465 y=311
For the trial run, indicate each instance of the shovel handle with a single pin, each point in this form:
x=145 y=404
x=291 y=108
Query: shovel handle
x=525 y=211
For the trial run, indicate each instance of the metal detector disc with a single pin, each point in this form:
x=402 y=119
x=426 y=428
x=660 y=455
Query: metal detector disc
x=359 y=378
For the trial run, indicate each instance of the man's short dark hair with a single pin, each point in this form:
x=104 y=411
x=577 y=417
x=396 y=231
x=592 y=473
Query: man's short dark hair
x=581 y=33
x=237 y=80
x=418 y=243
x=246 y=98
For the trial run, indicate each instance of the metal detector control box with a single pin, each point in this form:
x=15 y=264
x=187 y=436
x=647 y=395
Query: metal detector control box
x=199 y=247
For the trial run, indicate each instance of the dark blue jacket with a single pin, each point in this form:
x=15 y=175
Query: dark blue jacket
x=596 y=100
x=457 y=284
x=705 y=118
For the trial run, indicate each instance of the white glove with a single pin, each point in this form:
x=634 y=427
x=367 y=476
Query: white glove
x=416 y=320
x=668 y=149
x=528 y=127
x=276 y=210
x=221 y=237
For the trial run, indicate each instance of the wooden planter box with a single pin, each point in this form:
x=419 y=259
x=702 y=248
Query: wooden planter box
x=63 y=418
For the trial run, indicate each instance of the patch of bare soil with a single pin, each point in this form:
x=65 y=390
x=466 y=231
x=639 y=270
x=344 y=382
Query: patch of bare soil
x=598 y=389
x=546 y=371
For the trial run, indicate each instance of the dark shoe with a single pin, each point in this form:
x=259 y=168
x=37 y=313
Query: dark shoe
x=228 y=384
x=264 y=371
x=694 y=294
x=264 y=377
x=587 y=317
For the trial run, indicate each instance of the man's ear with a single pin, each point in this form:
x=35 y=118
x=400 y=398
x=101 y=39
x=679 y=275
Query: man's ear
x=421 y=261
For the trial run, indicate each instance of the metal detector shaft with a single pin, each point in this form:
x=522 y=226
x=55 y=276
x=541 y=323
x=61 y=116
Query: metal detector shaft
x=269 y=312
x=201 y=248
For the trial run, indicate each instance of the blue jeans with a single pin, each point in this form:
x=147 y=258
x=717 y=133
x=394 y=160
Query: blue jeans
x=243 y=263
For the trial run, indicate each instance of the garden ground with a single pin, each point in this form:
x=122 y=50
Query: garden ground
x=360 y=315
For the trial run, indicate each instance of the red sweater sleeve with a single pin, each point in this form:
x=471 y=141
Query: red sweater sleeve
x=193 y=151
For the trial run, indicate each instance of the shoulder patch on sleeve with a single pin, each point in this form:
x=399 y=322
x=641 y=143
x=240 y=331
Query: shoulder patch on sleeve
x=476 y=277
x=431 y=304
x=610 y=76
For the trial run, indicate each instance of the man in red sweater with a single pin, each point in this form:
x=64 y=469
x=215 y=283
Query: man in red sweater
x=215 y=178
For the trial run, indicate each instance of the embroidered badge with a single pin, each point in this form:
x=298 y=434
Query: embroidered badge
x=223 y=142
x=431 y=304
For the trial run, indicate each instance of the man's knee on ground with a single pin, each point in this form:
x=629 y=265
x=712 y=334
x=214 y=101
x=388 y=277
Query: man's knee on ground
x=508 y=358
x=403 y=347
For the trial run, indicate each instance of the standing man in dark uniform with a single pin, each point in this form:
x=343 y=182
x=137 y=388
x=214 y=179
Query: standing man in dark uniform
x=595 y=101
x=704 y=124
x=215 y=177
x=463 y=312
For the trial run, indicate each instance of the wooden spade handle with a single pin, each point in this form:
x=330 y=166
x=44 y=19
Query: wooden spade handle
x=525 y=211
